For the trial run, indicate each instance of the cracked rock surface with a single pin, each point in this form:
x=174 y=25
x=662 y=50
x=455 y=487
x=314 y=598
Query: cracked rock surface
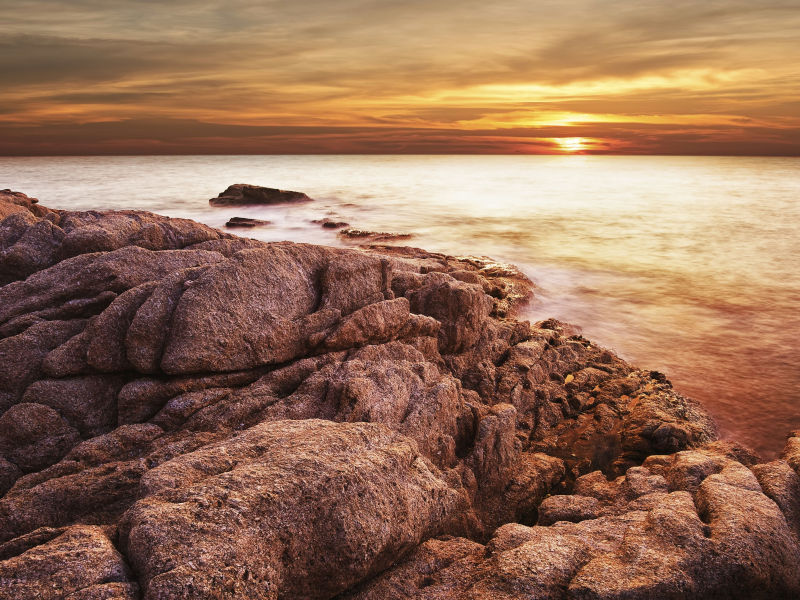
x=188 y=414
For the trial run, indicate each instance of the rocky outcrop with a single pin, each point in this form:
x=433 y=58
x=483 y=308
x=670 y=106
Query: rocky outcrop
x=234 y=418
x=240 y=194
x=702 y=528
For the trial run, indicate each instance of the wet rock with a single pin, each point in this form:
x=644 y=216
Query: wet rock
x=241 y=193
x=246 y=222
x=373 y=236
x=330 y=223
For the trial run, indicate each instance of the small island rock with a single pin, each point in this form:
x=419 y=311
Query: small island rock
x=242 y=193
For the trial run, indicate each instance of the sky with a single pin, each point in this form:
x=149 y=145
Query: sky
x=97 y=77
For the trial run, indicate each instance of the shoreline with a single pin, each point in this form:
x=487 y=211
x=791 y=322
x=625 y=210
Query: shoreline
x=140 y=351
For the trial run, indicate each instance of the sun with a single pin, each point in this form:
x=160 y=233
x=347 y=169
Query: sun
x=574 y=144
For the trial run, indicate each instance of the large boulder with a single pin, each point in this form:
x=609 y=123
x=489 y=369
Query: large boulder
x=293 y=509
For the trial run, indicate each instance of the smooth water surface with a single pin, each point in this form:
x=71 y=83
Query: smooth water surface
x=687 y=265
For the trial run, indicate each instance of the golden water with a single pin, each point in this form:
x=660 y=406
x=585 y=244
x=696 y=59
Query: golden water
x=688 y=265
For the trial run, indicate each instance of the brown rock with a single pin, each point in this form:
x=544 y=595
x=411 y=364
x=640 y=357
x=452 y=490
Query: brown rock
x=21 y=356
x=92 y=274
x=80 y=563
x=38 y=248
x=781 y=484
x=17 y=202
x=149 y=329
x=270 y=513
x=33 y=436
x=461 y=308
x=568 y=508
x=246 y=222
x=9 y=473
x=241 y=193
x=98 y=495
x=373 y=236
x=258 y=308
x=330 y=223
x=374 y=324
x=88 y=403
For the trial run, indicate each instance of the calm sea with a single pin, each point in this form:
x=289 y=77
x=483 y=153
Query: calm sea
x=687 y=265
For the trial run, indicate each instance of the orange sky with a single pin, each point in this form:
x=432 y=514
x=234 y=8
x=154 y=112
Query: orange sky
x=399 y=76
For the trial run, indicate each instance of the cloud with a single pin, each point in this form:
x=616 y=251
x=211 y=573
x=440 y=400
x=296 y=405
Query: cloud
x=430 y=67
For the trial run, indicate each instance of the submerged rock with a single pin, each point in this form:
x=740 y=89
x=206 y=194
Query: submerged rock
x=330 y=223
x=373 y=236
x=246 y=222
x=234 y=418
x=241 y=194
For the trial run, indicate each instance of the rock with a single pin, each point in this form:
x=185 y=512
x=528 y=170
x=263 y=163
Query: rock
x=372 y=236
x=272 y=512
x=568 y=508
x=781 y=484
x=88 y=403
x=791 y=452
x=241 y=193
x=9 y=473
x=99 y=495
x=90 y=275
x=34 y=238
x=286 y=420
x=330 y=223
x=17 y=202
x=33 y=436
x=259 y=308
x=461 y=308
x=37 y=249
x=21 y=356
x=666 y=551
x=80 y=563
x=246 y=222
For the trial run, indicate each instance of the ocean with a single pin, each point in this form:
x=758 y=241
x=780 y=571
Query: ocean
x=686 y=265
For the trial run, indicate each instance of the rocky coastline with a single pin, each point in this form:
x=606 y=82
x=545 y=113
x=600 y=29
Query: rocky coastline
x=185 y=413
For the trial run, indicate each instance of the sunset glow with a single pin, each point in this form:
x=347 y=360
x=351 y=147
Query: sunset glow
x=247 y=76
x=572 y=144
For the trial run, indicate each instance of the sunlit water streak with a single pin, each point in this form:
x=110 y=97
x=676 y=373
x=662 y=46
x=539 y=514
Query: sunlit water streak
x=687 y=265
